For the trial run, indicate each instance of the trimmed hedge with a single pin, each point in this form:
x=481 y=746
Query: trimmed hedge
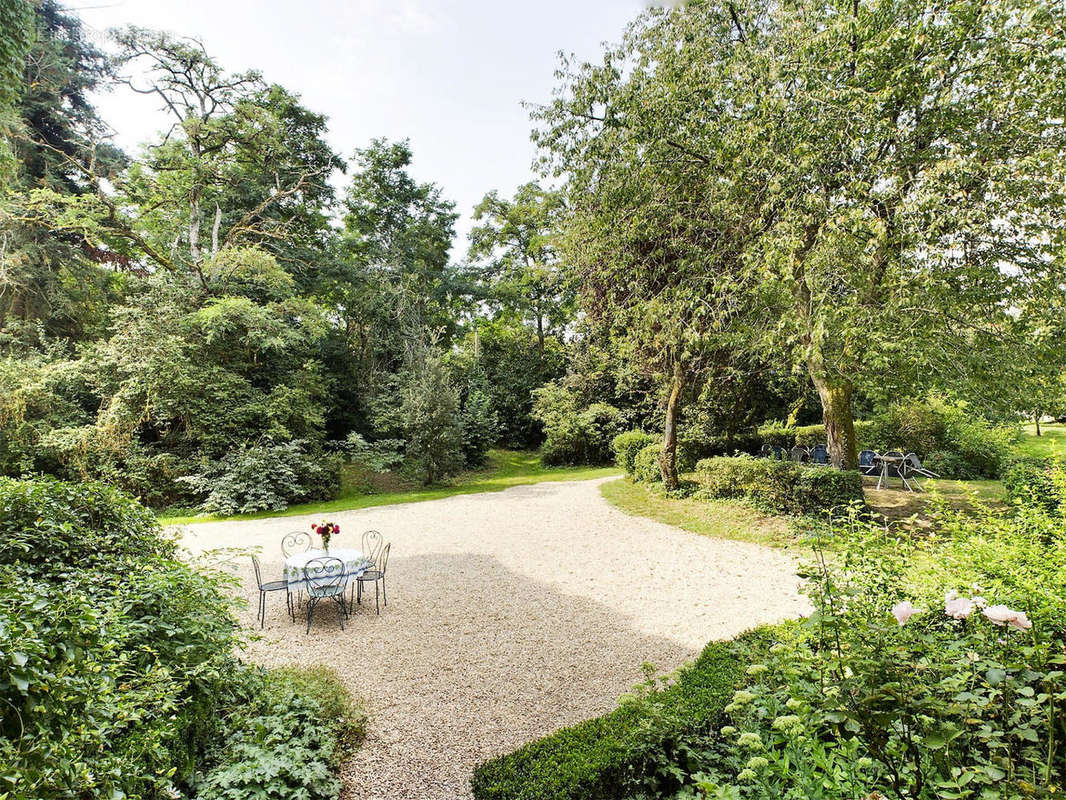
x=646 y=467
x=788 y=436
x=627 y=445
x=699 y=445
x=604 y=758
x=781 y=485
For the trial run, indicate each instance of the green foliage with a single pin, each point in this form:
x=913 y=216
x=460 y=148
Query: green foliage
x=574 y=435
x=480 y=424
x=627 y=445
x=266 y=477
x=948 y=699
x=780 y=485
x=431 y=422
x=787 y=436
x=646 y=467
x=117 y=669
x=828 y=207
x=113 y=654
x=16 y=22
x=647 y=462
x=286 y=741
x=516 y=269
x=347 y=718
x=1037 y=482
x=948 y=439
x=607 y=757
x=513 y=364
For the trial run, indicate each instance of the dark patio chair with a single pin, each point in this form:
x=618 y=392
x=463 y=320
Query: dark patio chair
x=766 y=451
x=265 y=588
x=374 y=575
x=911 y=466
x=820 y=454
x=780 y=453
x=866 y=462
x=325 y=581
x=799 y=454
x=372 y=543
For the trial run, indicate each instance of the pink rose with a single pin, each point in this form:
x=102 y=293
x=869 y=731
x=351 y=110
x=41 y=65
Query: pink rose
x=1001 y=615
x=903 y=611
x=958 y=607
x=1020 y=621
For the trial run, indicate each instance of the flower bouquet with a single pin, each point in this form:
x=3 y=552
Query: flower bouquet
x=326 y=530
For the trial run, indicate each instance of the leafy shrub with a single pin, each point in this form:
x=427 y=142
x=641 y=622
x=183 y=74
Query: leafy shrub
x=949 y=440
x=574 y=435
x=113 y=654
x=777 y=434
x=646 y=467
x=627 y=445
x=780 y=485
x=931 y=668
x=431 y=422
x=698 y=445
x=266 y=477
x=480 y=425
x=117 y=668
x=1035 y=481
x=606 y=757
x=285 y=740
x=336 y=705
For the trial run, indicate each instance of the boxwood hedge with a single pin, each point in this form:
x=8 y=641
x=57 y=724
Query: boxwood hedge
x=781 y=485
x=605 y=757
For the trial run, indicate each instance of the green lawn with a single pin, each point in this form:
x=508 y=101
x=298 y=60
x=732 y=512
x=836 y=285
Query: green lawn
x=719 y=518
x=505 y=468
x=1051 y=442
x=895 y=503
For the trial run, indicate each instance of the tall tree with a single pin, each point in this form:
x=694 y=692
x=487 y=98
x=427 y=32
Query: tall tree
x=51 y=280
x=16 y=36
x=903 y=164
x=394 y=279
x=514 y=258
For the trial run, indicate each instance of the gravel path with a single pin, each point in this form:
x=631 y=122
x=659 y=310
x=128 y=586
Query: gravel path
x=510 y=614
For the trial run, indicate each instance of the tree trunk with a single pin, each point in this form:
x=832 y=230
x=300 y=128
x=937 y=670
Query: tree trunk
x=839 y=424
x=668 y=458
x=1036 y=419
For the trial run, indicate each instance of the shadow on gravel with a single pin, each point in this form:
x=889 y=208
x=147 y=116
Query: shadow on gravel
x=468 y=661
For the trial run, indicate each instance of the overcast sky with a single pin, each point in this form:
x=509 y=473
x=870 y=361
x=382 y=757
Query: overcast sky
x=450 y=75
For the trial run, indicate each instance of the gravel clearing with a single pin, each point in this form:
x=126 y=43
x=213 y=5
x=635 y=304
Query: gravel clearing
x=510 y=614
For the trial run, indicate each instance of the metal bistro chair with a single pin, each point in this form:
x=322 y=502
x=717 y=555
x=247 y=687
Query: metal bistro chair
x=373 y=576
x=799 y=454
x=270 y=586
x=820 y=454
x=372 y=542
x=867 y=459
x=780 y=453
x=325 y=581
x=295 y=542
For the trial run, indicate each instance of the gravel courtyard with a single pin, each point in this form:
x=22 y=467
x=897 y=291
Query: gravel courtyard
x=510 y=614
